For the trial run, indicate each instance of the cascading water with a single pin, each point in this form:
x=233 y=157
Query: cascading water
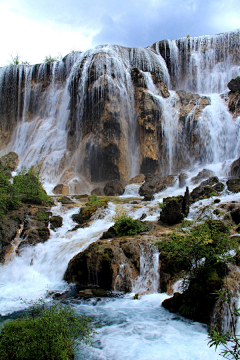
x=85 y=119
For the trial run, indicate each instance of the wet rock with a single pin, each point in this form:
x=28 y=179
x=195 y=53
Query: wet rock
x=154 y=184
x=234 y=84
x=208 y=188
x=205 y=173
x=9 y=226
x=197 y=302
x=98 y=191
x=85 y=213
x=101 y=264
x=34 y=236
x=233 y=185
x=65 y=200
x=235 y=168
x=55 y=222
x=114 y=188
x=61 y=189
x=175 y=208
x=138 y=179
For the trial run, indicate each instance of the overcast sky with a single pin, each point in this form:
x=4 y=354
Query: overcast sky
x=35 y=29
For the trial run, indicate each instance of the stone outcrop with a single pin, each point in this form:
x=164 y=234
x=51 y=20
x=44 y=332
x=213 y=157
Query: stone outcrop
x=28 y=223
x=174 y=209
x=208 y=188
x=154 y=184
x=108 y=265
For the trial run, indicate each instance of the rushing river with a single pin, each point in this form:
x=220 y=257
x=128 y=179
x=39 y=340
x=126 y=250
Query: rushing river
x=127 y=329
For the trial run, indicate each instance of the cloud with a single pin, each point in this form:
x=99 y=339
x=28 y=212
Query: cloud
x=41 y=27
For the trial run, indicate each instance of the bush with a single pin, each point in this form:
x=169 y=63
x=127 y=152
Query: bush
x=209 y=240
x=125 y=225
x=28 y=186
x=44 y=334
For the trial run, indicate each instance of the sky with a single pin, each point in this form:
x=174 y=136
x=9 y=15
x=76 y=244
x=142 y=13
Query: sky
x=36 y=29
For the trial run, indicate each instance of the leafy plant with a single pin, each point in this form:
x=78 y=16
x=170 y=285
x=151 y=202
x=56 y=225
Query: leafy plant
x=202 y=245
x=28 y=185
x=125 y=225
x=44 y=333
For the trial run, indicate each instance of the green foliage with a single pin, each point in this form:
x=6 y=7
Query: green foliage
x=125 y=225
x=94 y=201
x=209 y=240
x=231 y=340
x=29 y=188
x=49 y=59
x=16 y=60
x=44 y=333
x=25 y=188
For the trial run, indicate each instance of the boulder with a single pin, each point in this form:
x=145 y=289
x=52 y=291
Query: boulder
x=114 y=188
x=233 y=185
x=154 y=184
x=205 y=173
x=61 y=189
x=208 y=188
x=84 y=214
x=98 y=191
x=175 y=208
x=101 y=264
x=138 y=179
x=234 y=84
x=55 y=222
x=235 y=168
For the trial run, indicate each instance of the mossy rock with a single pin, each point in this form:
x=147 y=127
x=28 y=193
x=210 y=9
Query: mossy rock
x=234 y=185
x=55 y=222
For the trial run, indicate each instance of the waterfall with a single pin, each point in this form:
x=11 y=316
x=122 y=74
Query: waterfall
x=203 y=64
x=148 y=279
x=106 y=113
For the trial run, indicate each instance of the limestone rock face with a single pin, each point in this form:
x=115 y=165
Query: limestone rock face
x=110 y=114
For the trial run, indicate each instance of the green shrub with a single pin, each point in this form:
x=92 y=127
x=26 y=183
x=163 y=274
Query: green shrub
x=44 y=334
x=125 y=225
x=209 y=240
x=28 y=186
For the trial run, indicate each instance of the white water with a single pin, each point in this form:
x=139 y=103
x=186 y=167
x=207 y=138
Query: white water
x=40 y=268
x=143 y=330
